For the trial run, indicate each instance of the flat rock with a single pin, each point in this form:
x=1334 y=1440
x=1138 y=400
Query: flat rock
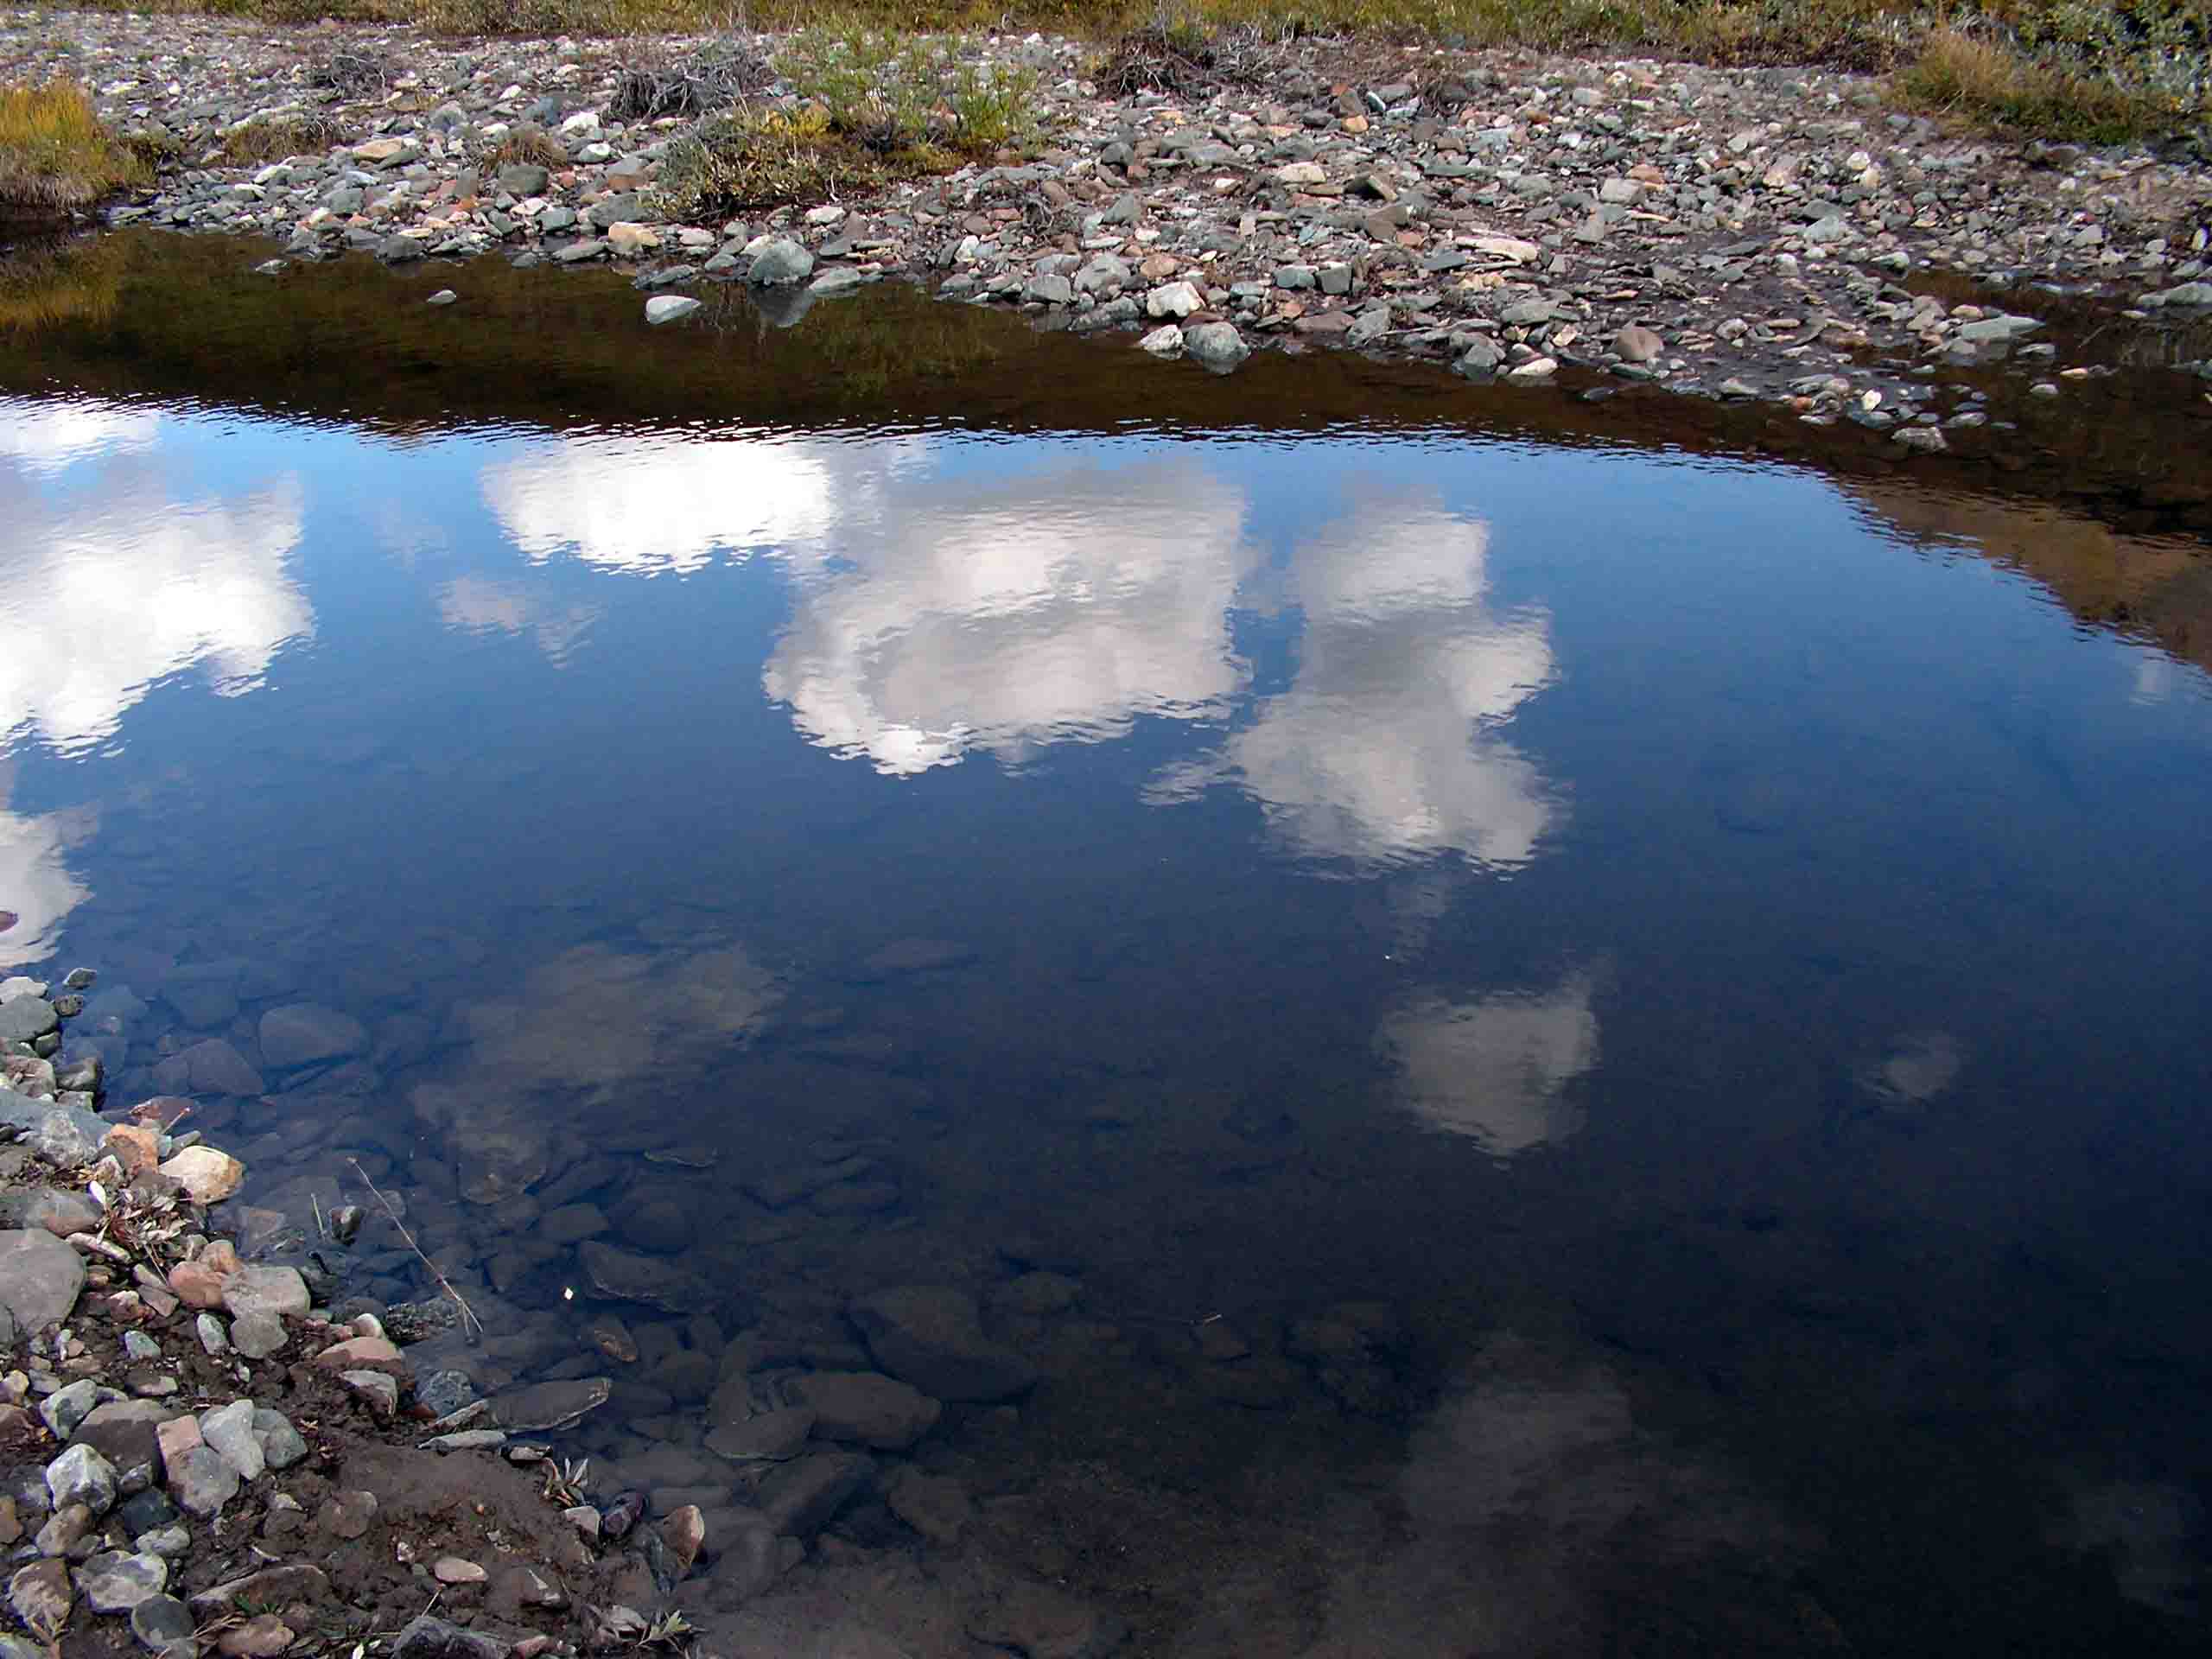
x=782 y=263
x=127 y=1432
x=549 y=1405
x=935 y=1506
x=627 y=1276
x=263 y=1288
x=26 y=1019
x=874 y=1409
x=208 y=1067
x=115 y=1581
x=1042 y=1622
x=41 y=1596
x=201 y=1480
x=426 y=1637
x=207 y=1176
x=933 y=1337
x=300 y=1033
x=800 y=1498
x=771 y=1437
x=40 y=1278
x=669 y=308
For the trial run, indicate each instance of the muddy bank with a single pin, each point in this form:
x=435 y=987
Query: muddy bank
x=1741 y=234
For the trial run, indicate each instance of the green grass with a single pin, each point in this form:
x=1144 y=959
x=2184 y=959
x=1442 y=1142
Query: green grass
x=2074 y=67
x=56 y=156
x=868 y=106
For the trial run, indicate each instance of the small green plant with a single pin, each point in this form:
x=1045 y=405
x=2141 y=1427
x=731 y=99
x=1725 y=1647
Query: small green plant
x=56 y=156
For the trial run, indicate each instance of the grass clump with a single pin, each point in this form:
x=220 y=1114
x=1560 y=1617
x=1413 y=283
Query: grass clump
x=276 y=138
x=1977 y=78
x=527 y=144
x=865 y=107
x=56 y=156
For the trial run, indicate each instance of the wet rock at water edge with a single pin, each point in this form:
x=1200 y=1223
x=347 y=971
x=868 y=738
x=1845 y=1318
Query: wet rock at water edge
x=669 y=308
x=781 y=264
x=933 y=1337
x=1216 y=346
x=547 y=1406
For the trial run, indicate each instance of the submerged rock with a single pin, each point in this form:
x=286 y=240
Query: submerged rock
x=933 y=1337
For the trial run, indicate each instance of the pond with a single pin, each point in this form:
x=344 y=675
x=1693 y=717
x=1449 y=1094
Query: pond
x=1552 y=1034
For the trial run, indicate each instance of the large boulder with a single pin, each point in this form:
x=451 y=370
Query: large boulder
x=933 y=1337
x=300 y=1033
x=864 y=1405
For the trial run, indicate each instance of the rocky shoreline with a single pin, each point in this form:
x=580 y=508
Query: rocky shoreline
x=1733 y=233
x=203 y=1455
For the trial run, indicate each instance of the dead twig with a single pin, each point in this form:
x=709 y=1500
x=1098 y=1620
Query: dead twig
x=469 y=1322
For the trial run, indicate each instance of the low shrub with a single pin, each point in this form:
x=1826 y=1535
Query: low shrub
x=274 y=138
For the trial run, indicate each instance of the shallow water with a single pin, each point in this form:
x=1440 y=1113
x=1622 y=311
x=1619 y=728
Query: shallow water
x=1704 y=955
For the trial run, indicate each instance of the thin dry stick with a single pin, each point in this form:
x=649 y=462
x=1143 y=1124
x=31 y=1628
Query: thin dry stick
x=469 y=1322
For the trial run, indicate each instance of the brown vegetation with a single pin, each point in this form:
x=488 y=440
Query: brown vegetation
x=56 y=157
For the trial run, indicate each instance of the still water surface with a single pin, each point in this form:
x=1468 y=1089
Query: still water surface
x=1602 y=1051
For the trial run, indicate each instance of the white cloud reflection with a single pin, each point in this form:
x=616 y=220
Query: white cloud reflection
x=1058 y=604
x=47 y=437
x=1385 y=748
x=1494 y=1068
x=37 y=891
x=938 y=611
x=118 y=584
x=650 y=506
x=477 y=604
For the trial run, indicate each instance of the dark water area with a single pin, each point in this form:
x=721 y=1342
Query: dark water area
x=1560 y=1029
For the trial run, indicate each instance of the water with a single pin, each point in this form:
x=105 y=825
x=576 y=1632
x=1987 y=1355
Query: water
x=1555 y=1047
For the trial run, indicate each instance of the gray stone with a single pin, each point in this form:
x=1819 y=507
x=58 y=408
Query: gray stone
x=771 y=1437
x=208 y=1067
x=1529 y=314
x=426 y=1637
x=213 y=1339
x=257 y=1336
x=81 y=1475
x=1173 y=300
x=137 y=1346
x=798 y=1499
x=116 y=1582
x=229 y=1429
x=61 y=1139
x=523 y=179
x=40 y=1278
x=67 y=1406
x=782 y=263
x=876 y=1410
x=25 y=1018
x=549 y=1405
x=2182 y=294
x=669 y=308
x=123 y=1431
x=1833 y=228
x=1637 y=344
x=1050 y=287
x=300 y=1033
x=627 y=1276
x=144 y=1511
x=165 y=1625
x=443 y=1393
x=379 y=1388
x=625 y=206
x=202 y=1481
x=172 y=1543
x=933 y=1337
x=263 y=1288
x=1481 y=359
x=280 y=1444
x=1216 y=346
x=1998 y=329
x=935 y=1506
x=577 y=252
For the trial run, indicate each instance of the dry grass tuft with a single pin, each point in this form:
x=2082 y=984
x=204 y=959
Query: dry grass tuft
x=56 y=156
x=1961 y=74
x=277 y=138
x=656 y=80
x=528 y=145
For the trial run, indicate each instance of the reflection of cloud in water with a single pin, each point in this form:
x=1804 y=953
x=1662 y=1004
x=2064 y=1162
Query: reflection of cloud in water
x=482 y=606
x=138 y=584
x=1058 y=605
x=1526 y=1495
x=1918 y=1067
x=653 y=505
x=1384 y=749
x=47 y=435
x=1494 y=1068
x=37 y=889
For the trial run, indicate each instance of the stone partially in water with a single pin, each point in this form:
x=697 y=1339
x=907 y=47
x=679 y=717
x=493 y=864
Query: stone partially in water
x=933 y=1337
x=544 y=1405
x=669 y=308
x=1216 y=346
x=781 y=263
